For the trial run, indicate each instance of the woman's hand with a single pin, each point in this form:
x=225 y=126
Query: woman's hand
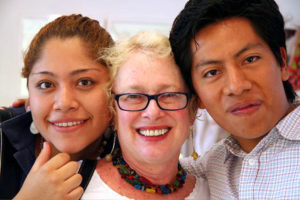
x=18 y=103
x=54 y=178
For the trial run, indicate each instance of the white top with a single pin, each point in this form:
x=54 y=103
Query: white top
x=98 y=190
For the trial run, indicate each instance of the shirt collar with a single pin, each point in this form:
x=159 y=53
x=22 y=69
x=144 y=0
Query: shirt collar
x=233 y=148
x=289 y=126
x=17 y=131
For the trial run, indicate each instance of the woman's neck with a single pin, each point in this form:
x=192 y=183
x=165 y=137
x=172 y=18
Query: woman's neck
x=90 y=152
x=159 y=173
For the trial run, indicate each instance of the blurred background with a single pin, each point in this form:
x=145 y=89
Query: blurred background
x=20 y=21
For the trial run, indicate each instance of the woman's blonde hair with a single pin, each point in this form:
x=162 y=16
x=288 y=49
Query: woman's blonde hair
x=147 y=42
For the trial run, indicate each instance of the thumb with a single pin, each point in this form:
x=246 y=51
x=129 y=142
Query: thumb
x=43 y=157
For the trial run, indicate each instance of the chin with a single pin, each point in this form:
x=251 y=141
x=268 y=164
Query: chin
x=153 y=155
x=70 y=149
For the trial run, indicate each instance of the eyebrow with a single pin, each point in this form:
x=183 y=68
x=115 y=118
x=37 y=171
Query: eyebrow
x=73 y=73
x=246 y=48
x=140 y=89
x=79 y=71
x=208 y=62
x=216 y=62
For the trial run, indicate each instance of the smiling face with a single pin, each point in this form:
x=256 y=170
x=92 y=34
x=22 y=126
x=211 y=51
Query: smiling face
x=238 y=80
x=143 y=73
x=67 y=95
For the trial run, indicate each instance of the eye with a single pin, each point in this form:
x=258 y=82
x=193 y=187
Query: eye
x=134 y=96
x=251 y=59
x=211 y=73
x=85 y=82
x=44 y=85
x=170 y=96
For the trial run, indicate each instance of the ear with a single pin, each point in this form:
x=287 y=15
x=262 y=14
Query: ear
x=27 y=105
x=115 y=122
x=284 y=67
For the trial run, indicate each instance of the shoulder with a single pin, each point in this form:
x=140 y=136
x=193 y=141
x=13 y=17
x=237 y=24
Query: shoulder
x=200 y=166
x=201 y=189
x=9 y=169
x=8 y=113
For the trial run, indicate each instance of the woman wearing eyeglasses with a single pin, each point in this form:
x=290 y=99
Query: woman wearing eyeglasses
x=153 y=114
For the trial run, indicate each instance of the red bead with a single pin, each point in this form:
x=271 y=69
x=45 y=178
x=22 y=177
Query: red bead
x=145 y=181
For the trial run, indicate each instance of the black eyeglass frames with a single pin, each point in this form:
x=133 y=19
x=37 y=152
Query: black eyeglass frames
x=170 y=101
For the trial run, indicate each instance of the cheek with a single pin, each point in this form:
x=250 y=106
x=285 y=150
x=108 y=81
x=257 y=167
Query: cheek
x=206 y=97
x=40 y=114
x=184 y=115
x=123 y=124
x=203 y=92
x=97 y=103
x=271 y=85
x=124 y=119
x=184 y=120
x=39 y=106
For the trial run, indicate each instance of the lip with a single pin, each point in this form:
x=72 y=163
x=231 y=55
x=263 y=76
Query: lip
x=68 y=128
x=154 y=138
x=153 y=127
x=245 y=107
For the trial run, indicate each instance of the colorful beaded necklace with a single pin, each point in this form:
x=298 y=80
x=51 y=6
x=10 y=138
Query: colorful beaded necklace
x=142 y=183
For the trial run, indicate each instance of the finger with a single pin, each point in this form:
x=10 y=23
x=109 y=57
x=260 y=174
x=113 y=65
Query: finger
x=18 y=103
x=27 y=105
x=76 y=193
x=43 y=157
x=58 y=161
x=72 y=182
x=27 y=108
x=68 y=170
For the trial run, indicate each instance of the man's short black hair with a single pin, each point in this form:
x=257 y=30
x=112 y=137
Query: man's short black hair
x=264 y=16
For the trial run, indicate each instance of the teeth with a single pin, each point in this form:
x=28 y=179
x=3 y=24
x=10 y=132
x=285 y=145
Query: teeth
x=152 y=133
x=67 y=124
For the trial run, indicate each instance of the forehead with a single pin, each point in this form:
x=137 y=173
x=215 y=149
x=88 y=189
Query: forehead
x=64 y=55
x=232 y=32
x=148 y=72
x=68 y=46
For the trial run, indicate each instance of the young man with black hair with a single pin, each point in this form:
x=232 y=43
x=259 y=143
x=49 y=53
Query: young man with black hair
x=232 y=54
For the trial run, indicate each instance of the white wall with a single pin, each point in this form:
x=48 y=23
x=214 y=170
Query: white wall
x=12 y=12
x=290 y=11
x=144 y=11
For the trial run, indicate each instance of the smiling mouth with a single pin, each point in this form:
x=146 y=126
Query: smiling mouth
x=153 y=132
x=69 y=124
x=248 y=108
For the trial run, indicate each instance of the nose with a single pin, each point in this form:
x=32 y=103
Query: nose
x=236 y=82
x=153 y=111
x=65 y=99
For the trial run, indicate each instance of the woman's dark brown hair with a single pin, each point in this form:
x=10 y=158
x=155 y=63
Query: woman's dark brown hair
x=88 y=30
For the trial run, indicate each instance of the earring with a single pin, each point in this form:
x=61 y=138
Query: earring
x=33 y=129
x=108 y=157
x=194 y=154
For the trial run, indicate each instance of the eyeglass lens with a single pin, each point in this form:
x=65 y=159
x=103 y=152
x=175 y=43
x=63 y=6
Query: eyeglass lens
x=169 y=101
